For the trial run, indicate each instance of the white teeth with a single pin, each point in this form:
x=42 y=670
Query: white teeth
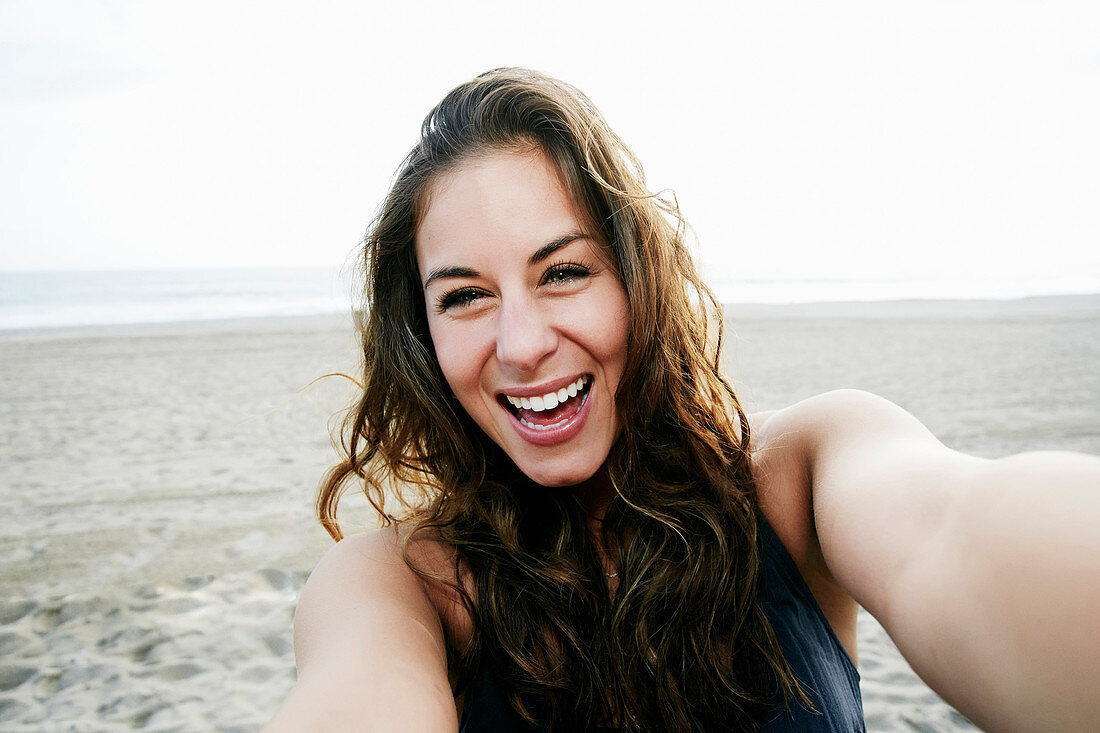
x=543 y=427
x=550 y=400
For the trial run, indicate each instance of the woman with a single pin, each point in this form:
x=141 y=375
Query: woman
x=594 y=534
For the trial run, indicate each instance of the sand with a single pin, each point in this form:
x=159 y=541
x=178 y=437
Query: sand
x=156 y=486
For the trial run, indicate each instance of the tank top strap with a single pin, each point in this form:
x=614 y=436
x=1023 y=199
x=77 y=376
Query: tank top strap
x=816 y=657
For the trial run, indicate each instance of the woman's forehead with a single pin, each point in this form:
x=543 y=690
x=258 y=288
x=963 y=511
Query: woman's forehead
x=493 y=203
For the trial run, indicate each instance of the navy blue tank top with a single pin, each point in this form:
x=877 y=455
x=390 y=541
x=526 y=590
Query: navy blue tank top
x=815 y=655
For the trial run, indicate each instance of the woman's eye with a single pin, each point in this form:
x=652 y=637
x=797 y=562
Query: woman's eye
x=460 y=298
x=565 y=272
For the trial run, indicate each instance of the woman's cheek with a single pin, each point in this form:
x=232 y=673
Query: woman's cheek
x=456 y=350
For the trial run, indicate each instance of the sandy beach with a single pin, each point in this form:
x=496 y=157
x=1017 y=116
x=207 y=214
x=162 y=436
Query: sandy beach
x=156 y=486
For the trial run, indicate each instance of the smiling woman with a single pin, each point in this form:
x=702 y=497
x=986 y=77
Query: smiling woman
x=514 y=287
x=594 y=534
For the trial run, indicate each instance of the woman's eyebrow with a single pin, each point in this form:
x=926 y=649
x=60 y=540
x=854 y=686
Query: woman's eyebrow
x=538 y=256
x=442 y=272
x=553 y=246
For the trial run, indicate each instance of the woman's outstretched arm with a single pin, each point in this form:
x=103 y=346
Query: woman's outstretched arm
x=986 y=573
x=369 y=646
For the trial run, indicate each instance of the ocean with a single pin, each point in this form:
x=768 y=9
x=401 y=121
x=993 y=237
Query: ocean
x=66 y=299
x=45 y=299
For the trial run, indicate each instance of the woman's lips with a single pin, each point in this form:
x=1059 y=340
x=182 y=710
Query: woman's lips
x=555 y=428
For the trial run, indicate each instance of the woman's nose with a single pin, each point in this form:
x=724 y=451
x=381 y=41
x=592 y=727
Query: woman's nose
x=525 y=336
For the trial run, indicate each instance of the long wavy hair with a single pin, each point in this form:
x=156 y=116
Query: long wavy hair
x=683 y=643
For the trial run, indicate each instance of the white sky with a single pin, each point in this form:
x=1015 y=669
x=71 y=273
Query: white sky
x=803 y=140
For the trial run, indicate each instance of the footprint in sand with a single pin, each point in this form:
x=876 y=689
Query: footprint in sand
x=278 y=644
x=47 y=617
x=13 y=611
x=46 y=683
x=86 y=676
x=196 y=582
x=178 y=672
x=284 y=579
x=259 y=673
x=25 y=645
x=12 y=677
x=82 y=609
x=181 y=604
x=10 y=708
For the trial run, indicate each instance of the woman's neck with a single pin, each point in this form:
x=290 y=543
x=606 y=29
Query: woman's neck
x=595 y=495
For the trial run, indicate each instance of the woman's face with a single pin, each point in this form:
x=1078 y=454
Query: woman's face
x=528 y=319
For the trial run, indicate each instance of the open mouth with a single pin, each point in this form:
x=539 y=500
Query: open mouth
x=551 y=410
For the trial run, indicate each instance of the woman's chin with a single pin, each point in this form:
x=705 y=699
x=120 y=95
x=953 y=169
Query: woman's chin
x=554 y=479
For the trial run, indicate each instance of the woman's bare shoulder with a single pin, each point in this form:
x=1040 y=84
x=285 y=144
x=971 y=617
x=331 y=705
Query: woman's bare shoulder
x=369 y=644
x=780 y=463
x=815 y=413
x=368 y=564
x=788 y=445
x=359 y=562
x=359 y=574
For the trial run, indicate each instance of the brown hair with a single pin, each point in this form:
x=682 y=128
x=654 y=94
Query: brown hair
x=684 y=643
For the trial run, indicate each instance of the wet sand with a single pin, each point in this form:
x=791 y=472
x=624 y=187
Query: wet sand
x=156 y=486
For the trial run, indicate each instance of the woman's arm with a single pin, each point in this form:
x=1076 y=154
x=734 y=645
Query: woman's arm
x=986 y=573
x=369 y=646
